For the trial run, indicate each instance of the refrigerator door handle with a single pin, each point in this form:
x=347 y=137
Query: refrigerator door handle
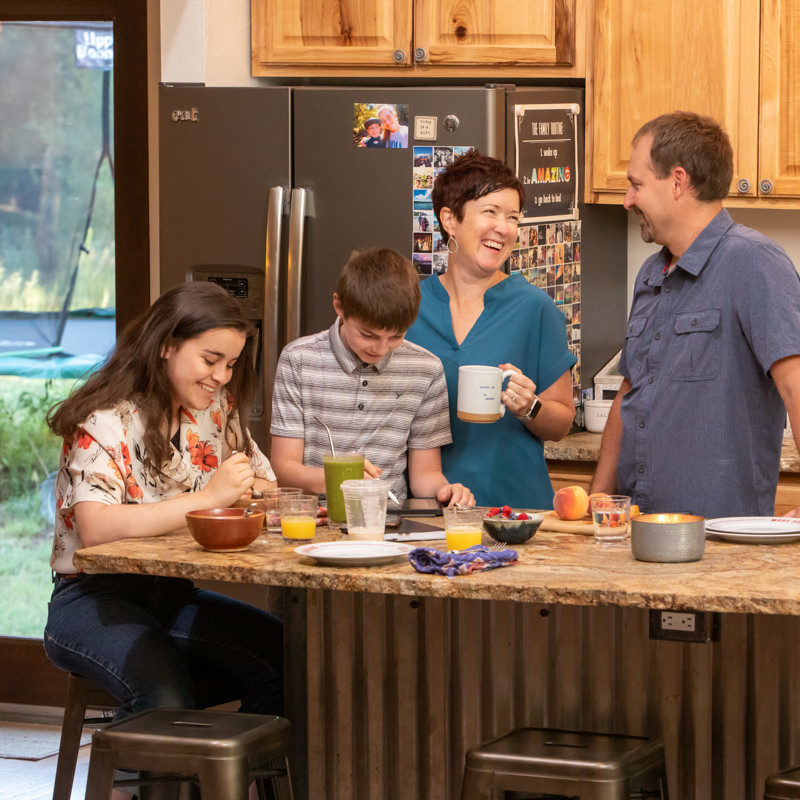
x=270 y=346
x=297 y=216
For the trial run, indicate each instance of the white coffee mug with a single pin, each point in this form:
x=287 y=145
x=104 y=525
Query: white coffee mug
x=479 y=390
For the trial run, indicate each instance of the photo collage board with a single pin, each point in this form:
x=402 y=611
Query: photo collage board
x=428 y=249
x=548 y=255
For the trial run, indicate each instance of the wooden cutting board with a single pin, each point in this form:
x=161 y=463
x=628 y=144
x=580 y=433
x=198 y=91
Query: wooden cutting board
x=552 y=523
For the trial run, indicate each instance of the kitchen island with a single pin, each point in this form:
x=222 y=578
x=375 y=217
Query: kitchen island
x=403 y=672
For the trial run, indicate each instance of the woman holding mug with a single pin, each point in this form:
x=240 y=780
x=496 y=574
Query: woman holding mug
x=476 y=314
x=157 y=432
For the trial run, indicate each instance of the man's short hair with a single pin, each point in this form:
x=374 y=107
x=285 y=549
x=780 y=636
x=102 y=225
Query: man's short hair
x=696 y=143
x=380 y=288
x=470 y=177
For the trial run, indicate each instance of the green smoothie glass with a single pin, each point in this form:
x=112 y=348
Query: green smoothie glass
x=338 y=468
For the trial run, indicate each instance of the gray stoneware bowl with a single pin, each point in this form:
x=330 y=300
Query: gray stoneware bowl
x=668 y=537
x=512 y=531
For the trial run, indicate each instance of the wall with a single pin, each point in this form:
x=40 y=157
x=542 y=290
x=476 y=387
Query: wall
x=782 y=226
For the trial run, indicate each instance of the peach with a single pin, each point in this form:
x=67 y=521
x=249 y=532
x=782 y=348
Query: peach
x=571 y=502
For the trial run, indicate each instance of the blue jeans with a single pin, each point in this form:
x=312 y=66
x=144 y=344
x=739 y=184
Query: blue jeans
x=154 y=642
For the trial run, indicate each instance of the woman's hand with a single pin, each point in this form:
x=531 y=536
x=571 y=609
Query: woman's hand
x=233 y=478
x=519 y=392
x=455 y=494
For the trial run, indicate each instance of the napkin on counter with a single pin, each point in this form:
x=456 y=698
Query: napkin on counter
x=462 y=562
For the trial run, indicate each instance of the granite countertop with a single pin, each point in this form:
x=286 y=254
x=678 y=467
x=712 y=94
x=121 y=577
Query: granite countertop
x=561 y=568
x=585 y=446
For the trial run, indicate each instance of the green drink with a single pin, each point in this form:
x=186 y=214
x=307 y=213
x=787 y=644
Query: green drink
x=337 y=469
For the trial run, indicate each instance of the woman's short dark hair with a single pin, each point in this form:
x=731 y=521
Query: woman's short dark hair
x=470 y=177
x=380 y=288
x=136 y=368
x=696 y=143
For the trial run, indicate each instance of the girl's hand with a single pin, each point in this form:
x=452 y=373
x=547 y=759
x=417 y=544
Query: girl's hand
x=519 y=392
x=233 y=478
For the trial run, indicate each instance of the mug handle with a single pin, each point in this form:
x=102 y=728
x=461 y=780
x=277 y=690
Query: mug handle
x=507 y=373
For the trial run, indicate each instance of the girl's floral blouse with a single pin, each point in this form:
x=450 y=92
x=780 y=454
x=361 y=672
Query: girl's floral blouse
x=104 y=462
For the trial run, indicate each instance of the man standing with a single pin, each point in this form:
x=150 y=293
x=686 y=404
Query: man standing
x=711 y=360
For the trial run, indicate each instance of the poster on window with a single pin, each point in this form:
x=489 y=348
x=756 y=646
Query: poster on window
x=547 y=160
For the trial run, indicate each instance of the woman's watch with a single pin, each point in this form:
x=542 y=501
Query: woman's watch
x=536 y=407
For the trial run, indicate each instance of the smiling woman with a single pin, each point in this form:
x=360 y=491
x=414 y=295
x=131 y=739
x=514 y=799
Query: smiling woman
x=476 y=314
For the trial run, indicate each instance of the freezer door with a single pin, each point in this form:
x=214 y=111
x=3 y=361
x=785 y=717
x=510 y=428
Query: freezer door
x=224 y=173
x=358 y=197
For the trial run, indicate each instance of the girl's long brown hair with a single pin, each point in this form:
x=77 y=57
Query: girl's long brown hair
x=136 y=370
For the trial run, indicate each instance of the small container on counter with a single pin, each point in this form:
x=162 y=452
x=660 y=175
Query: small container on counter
x=668 y=537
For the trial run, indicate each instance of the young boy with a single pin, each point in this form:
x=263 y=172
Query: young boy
x=379 y=395
x=373 y=138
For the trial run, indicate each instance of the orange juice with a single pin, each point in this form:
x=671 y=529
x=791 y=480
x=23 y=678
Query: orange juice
x=298 y=527
x=462 y=538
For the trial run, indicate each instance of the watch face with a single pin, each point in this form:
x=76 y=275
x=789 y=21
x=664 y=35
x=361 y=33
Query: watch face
x=537 y=404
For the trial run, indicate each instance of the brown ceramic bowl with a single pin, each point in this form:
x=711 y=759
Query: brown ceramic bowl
x=224 y=530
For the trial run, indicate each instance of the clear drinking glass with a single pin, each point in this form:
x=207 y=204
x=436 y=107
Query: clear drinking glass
x=298 y=516
x=463 y=527
x=272 y=507
x=610 y=516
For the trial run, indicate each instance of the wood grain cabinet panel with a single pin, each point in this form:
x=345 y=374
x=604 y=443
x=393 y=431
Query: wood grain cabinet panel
x=332 y=32
x=779 y=156
x=424 y=38
x=505 y=32
x=652 y=57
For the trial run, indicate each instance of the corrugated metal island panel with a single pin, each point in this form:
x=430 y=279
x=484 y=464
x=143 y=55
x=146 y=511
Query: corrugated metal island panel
x=399 y=688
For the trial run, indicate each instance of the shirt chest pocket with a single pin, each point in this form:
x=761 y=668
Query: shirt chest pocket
x=697 y=352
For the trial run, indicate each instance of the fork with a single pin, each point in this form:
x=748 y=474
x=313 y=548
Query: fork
x=497 y=546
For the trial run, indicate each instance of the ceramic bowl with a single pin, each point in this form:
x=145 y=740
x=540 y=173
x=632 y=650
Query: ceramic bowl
x=512 y=531
x=668 y=537
x=224 y=530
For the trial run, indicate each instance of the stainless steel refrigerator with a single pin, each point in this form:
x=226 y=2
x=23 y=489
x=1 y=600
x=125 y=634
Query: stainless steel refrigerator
x=267 y=190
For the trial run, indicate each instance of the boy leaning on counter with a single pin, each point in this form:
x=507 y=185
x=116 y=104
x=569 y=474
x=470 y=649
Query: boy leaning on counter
x=378 y=393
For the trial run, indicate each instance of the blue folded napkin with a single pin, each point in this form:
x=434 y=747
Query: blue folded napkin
x=463 y=562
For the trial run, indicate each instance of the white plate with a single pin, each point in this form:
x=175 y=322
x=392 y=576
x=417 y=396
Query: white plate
x=354 y=554
x=755 y=530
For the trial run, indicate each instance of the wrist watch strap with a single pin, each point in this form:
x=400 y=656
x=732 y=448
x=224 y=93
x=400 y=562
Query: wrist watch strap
x=536 y=406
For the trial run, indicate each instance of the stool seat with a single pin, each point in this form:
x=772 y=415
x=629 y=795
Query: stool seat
x=783 y=785
x=223 y=750
x=591 y=766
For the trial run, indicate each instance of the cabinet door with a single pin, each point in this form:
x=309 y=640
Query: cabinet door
x=780 y=107
x=507 y=32
x=653 y=57
x=331 y=32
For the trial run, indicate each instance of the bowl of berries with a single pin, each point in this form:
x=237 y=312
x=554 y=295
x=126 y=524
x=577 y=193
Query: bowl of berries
x=509 y=526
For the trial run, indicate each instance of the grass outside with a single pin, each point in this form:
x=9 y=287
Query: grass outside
x=25 y=532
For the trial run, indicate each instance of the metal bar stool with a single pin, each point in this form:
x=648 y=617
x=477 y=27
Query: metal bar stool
x=568 y=764
x=783 y=785
x=220 y=751
x=81 y=694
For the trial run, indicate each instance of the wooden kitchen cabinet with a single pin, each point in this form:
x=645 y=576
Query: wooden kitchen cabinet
x=652 y=57
x=649 y=60
x=420 y=38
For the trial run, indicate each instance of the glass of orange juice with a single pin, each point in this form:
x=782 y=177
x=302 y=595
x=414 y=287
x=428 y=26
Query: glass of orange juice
x=463 y=527
x=298 y=516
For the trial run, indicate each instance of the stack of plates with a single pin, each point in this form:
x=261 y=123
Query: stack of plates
x=755 y=530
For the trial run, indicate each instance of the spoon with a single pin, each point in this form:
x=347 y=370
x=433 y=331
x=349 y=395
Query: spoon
x=248 y=512
x=328 y=431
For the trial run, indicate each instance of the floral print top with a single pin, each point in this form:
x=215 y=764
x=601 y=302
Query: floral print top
x=104 y=462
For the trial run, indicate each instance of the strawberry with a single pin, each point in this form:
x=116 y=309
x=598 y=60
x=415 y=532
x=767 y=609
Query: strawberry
x=493 y=512
x=506 y=511
x=522 y=515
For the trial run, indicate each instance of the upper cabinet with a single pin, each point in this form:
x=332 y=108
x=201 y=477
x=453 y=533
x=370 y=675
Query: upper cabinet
x=418 y=38
x=652 y=57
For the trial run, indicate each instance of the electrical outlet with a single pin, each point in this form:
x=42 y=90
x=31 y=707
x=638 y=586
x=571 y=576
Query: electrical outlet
x=684 y=626
x=676 y=621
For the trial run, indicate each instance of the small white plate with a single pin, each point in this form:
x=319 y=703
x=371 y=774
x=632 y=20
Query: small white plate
x=354 y=554
x=755 y=530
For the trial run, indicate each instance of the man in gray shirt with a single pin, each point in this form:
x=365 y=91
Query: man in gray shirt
x=711 y=360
